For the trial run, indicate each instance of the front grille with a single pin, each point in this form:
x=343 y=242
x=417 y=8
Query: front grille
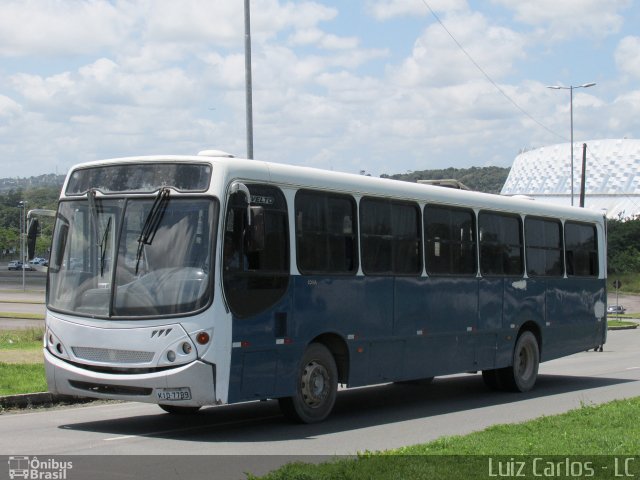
x=107 y=355
x=110 y=389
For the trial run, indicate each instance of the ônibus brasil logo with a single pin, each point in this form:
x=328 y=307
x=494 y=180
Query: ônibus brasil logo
x=35 y=469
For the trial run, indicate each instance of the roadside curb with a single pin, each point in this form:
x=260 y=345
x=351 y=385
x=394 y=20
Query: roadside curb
x=30 y=400
x=630 y=327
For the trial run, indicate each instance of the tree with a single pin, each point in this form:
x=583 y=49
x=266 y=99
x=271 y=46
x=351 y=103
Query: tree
x=623 y=244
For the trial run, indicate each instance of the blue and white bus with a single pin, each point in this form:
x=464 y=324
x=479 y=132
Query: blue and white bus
x=204 y=280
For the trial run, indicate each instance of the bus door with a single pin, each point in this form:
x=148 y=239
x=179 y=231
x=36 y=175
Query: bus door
x=255 y=277
x=502 y=287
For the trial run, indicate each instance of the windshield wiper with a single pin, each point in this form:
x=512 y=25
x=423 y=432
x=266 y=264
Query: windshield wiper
x=101 y=238
x=152 y=222
x=103 y=248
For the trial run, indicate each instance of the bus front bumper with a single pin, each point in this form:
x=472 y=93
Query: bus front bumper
x=189 y=385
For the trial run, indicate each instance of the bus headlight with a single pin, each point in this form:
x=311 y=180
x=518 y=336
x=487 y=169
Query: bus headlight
x=54 y=345
x=178 y=353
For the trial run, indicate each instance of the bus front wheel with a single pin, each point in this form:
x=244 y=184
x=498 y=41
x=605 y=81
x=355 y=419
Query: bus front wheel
x=316 y=387
x=522 y=375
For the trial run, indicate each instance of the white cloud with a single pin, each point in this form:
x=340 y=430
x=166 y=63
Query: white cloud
x=437 y=60
x=8 y=107
x=165 y=76
x=386 y=9
x=569 y=18
x=42 y=91
x=627 y=56
x=50 y=27
x=315 y=36
x=194 y=21
x=623 y=115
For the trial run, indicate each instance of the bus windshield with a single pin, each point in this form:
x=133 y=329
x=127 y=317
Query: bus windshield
x=132 y=257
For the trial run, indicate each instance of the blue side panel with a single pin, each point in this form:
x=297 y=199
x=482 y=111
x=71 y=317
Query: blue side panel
x=408 y=328
x=438 y=316
x=361 y=306
x=260 y=368
x=359 y=309
x=491 y=332
x=524 y=301
x=571 y=312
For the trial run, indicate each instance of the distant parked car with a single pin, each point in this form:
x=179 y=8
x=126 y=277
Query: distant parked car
x=617 y=309
x=15 y=265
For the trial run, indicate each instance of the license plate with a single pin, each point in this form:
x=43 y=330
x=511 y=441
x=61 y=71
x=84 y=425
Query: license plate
x=173 y=394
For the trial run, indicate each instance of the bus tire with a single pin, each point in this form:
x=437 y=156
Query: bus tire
x=316 y=387
x=522 y=374
x=178 y=410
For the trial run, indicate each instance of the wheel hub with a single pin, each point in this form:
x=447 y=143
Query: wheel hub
x=315 y=384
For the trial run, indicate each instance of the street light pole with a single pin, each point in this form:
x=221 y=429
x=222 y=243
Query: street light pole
x=247 y=77
x=570 y=88
x=23 y=227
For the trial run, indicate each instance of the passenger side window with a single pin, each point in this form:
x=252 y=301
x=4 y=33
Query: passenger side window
x=326 y=233
x=544 y=247
x=390 y=237
x=450 y=236
x=581 y=247
x=500 y=244
x=255 y=274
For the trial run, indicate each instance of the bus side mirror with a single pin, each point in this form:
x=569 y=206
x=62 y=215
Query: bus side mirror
x=255 y=230
x=32 y=234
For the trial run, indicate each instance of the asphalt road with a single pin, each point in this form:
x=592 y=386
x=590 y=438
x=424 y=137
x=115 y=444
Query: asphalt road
x=255 y=436
x=13 y=278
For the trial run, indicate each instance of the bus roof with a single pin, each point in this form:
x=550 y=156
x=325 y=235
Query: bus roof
x=358 y=185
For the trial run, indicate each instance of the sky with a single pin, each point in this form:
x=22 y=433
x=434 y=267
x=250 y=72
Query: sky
x=382 y=86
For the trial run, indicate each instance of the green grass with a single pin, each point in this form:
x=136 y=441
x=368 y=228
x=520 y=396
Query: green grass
x=30 y=338
x=631 y=316
x=24 y=315
x=620 y=323
x=588 y=433
x=22 y=378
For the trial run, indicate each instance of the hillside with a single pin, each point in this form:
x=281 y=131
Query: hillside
x=48 y=180
x=482 y=179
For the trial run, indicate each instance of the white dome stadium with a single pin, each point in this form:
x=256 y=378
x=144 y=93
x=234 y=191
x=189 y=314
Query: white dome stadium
x=612 y=175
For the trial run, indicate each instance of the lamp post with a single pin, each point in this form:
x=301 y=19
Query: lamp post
x=23 y=226
x=571 y=88
x=247 y=78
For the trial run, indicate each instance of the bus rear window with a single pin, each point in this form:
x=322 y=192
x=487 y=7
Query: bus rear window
x=581 y=246
x=544 y=247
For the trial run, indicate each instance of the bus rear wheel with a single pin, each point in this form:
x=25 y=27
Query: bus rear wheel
x=177 y=410
x=316 y=387
x=521 y=376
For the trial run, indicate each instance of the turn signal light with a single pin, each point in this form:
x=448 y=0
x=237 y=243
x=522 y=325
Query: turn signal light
x=202 y=338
